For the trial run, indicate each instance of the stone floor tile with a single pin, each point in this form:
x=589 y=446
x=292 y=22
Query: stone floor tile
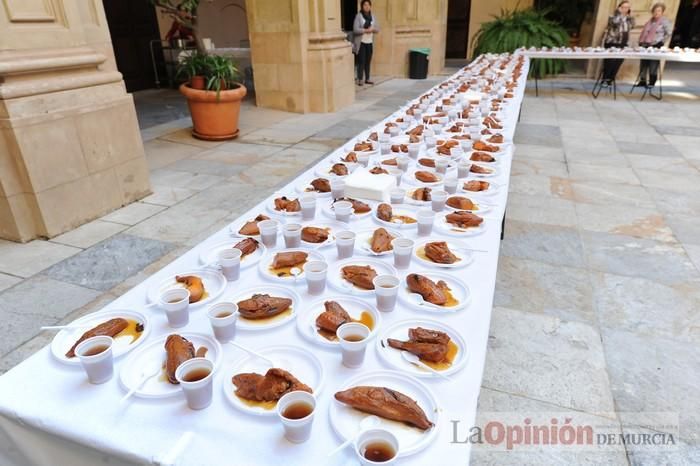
x=181 y=179
x=528 y=166
x=540 y=209
x=206 y=167
x=110 y=262
x=660 y=150
x=177 y=224
x=344 y=129
x=7 y=281
x=238 y=153
x=665 y=262
x=693 y=251
x=686 y=228
x=232 y=194
x=27 y=259
x=689 y=146
x=325 y=145
x=547 y=359
x=674 y=202
x=636 y=133
x=27 y=348
x=671 y=181
x=133 y=213
x=681 y=454
x=167 y=196
x=89 y=234
x=541 y=135
x=546 y=243
x=609 y=194
x=280 y=137
x=160 y=153
x=532 y=151
x=624 y=220
x=648 y=307
x=561 y=292
x=541 y=185
x=663 y=165
x=184 y=136
x=654 y=375
x=601 y=173
x=678 y=130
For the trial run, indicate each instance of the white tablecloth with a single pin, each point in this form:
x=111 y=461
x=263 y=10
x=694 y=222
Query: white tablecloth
x=50 y=415
x=582 y=55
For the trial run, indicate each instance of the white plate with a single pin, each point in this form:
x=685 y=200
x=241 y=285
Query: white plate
x=275 y=321
x=453 y=230
x=266 y=261
x=480 y=210
x=66 y=338
x=238 y=224
x=494 y=171
x=211 y=254
x=299 y=362
x=346 y=420
x=410 y=177
x=363 y=241
x=350 y=147
x=490 y=192
x=283 y=213
x=306 y=322
x=214 y=284
x=457 y=249
x=333 y=229
x=335 y=274
x=329 y=212
x=460 y=291
x=324 y=169
x=409 y=199
x=305 y=187
x=399 y=331
x=397 y=211
x=154 y=353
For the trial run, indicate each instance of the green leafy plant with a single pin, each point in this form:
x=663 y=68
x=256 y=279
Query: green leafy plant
x=522 y=28
x=568 y=13
x=192 y=65
x=221 y=73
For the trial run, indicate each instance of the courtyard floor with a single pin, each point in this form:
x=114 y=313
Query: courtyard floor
x=597 y=306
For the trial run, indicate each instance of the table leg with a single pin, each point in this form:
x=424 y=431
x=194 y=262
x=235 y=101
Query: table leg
x=503 y=226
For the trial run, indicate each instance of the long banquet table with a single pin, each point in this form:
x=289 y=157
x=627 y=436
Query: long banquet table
x=50 y=414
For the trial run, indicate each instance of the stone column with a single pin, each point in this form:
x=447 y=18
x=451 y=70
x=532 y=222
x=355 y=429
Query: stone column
x=301 y=60
x=70 y=147
x=641 y=12
x=405 y=24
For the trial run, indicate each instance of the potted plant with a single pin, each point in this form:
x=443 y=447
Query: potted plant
x=522 y=28
x=193 y=68
x=216 y=108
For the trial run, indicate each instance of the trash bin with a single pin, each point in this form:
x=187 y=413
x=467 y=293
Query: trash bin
x=418 y=63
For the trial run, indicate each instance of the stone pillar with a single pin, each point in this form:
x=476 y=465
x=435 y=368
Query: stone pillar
x=301 y=60
x=405 y=24
x=70 y=147
x=641 y=12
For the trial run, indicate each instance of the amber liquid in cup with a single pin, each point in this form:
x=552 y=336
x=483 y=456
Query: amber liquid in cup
x=96 y=350
x=196 y=374
x=354 y=338
x=379 y=452
x=221 y=315
x=298 y=410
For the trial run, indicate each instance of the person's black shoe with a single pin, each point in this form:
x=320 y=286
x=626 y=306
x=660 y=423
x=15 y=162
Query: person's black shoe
x=369 y=83
x=642 y=83
x=359 y=83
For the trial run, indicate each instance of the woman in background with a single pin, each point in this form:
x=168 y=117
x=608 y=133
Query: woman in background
x=654 y=34
x=364 y=27
x=617 y=35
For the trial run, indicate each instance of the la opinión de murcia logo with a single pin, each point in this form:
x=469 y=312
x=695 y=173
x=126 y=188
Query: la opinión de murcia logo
x=557 y=432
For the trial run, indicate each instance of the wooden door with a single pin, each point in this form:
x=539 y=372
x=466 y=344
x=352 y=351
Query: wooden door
x=132 y=25
x=457 y=28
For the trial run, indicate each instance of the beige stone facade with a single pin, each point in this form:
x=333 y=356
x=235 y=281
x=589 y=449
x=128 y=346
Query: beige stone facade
x=70 y=148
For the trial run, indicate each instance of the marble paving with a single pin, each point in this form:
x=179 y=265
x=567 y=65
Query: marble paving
x=597 y=304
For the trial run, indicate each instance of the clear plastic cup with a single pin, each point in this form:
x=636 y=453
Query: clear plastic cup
x=292 y=235
x=386 y=290
x=96 y=357
x=397 y=195
x=343 y=211
x=308 y=206
x=175 y=302
x=268 y=232
x=316 y=273
x=430 y=141
x=403 y=249
x=384 y=137
x=230 y=262
x=385 y=148
x=397 y=174
x=289 y=409
x=441 y=165
x=451 y=184
x=425 y=219
x=337 y=188
x=456 y=152
x=353 y=338
x=413 y=149
x=366 y=447
x=223 y=318
x=196 y=378
x=394 y=131
x=363 y=158
x=402 y=163
x=345 y=243
x=463 y=169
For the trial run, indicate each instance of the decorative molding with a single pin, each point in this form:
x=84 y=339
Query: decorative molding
x=43 y=85
x=46 y=60
x=413 y=31
x=31 y=11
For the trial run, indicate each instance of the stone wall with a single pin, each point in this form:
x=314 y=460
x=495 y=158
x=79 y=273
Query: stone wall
x=70 y=148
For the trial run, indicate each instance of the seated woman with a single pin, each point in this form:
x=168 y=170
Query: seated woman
x=654 y=34
x=617 y=35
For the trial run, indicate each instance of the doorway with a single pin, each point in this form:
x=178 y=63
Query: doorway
x=457 y=28
x=348 y=10
x=133 y=25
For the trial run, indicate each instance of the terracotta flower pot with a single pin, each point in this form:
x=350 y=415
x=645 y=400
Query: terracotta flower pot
x=214 y=119
x=197 y=82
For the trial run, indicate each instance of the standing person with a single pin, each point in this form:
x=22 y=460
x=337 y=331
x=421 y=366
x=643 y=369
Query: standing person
x=617 y=35
x=364 y=27
x=654 y=34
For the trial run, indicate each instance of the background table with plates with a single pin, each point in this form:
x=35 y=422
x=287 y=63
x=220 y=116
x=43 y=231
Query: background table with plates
x=50 y=414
